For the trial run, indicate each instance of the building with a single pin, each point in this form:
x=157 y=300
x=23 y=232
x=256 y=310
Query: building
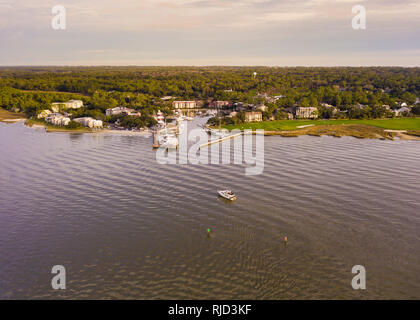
x=43 y=114
x=123 y=111
x=89 y=122
x=334 y=110
x=254 y=116
x=262 y=107
x=184 y=104
x=71 y=104
x=239 y=106
x=279 y=97
x=167 y=98
x=401 y=111
x=306 y=113
x=218 y=104
x=360 y=106
x=57 y=119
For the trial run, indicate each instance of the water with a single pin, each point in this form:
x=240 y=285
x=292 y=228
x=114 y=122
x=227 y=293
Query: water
x=126 y=227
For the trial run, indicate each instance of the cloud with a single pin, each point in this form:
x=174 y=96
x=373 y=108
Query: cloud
x=205 y=30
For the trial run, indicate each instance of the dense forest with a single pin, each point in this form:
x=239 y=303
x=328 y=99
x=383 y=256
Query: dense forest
x=31 y=89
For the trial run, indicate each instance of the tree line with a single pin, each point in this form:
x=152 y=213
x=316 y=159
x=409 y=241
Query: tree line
x=30 y=89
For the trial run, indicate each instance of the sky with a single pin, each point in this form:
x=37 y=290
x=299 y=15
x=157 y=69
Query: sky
x=210 y=32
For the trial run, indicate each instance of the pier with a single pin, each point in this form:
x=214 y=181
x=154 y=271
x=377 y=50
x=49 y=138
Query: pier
x=220 y=140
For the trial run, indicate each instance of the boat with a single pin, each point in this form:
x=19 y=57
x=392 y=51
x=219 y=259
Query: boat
x=216 y=133
x=169 y=141
x=227 y=194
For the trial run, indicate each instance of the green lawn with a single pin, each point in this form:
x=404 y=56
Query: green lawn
x=283 y=125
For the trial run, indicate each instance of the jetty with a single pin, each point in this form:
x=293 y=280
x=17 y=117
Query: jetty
x=233 y=136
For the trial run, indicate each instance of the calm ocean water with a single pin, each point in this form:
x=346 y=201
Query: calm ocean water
x=126 y=227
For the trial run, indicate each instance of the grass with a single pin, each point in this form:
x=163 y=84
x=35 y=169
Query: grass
x=285 y=125
x=8 y=115
x=52 y=128
x=364 y=128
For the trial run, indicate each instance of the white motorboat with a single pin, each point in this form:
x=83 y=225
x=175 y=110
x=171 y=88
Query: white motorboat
x=217 y=133
x=227 y=194
x=169 y=142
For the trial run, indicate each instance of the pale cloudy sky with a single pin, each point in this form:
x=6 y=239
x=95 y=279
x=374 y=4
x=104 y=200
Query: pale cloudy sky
x=210 y=32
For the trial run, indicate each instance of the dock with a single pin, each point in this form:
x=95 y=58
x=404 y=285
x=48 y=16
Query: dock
x=220 y=140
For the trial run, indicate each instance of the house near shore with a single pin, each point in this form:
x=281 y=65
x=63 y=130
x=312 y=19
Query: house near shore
x=184 y=104
x=57 y=119
x=253 y=116
x=89 y=122
x=306 y=113
x=123 y=111
x=71 y=104
x=43 y=114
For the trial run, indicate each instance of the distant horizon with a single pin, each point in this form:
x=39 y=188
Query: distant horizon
x=209 y=66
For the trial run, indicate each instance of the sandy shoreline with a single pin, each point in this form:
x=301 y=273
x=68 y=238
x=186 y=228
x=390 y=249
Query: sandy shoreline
x=13 y=120
x=87 y=130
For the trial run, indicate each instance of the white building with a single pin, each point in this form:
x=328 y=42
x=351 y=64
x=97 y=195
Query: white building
x=43 y=114
x=306 y=112
x=401 y=111
x=254 y=116
x=57 y=119
x=184 y=104
x=71 y=104
x=89 y=122
x=122 y=110
x=262 y=107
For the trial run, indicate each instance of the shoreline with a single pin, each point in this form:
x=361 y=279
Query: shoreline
x=294 y=134
x=360 y=131
x=405 y=128
x=7 y=116
x=349 y=130
x=36 y=124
